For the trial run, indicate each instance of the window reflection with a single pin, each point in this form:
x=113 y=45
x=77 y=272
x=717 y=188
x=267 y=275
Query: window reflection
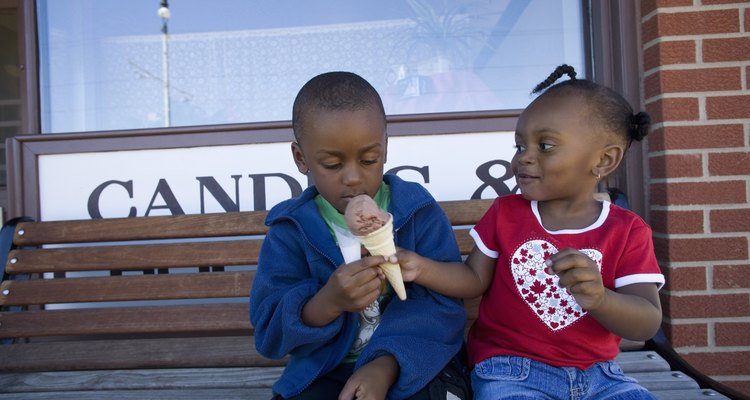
x=235 y=61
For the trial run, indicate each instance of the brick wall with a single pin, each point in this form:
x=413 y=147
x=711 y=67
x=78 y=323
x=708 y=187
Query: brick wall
x=696 y=86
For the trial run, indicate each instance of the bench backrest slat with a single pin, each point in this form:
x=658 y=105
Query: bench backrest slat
x=134 y=257
x=178 y=319
x=141 y=228
x=126 y=288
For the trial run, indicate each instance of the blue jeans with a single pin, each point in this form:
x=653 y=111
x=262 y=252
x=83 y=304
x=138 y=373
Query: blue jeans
x=512 y=377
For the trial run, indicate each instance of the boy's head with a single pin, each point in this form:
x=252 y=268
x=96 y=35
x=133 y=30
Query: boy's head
x=333 y=91
x=340 y=131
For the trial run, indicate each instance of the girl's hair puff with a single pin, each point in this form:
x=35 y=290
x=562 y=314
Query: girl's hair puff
x=608 y=106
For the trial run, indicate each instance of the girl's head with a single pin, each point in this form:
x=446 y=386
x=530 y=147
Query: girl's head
x=572 y=135
x=340 y=130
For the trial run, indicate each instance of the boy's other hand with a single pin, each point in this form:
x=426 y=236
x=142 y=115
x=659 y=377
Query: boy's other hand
x=372 y=380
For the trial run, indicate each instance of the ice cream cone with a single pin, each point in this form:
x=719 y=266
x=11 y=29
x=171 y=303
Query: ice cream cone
x=380 y=243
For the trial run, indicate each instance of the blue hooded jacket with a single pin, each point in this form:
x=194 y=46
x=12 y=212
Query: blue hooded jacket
x=298 y=256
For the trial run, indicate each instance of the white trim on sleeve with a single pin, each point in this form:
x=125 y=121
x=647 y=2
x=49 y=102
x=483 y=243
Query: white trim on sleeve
x=478 y=241
x=640 y=278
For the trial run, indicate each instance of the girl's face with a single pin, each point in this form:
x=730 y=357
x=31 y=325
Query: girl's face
x=345 y=153
x=557 y=149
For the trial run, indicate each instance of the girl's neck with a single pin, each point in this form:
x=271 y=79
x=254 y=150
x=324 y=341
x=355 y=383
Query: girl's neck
x=558 y=215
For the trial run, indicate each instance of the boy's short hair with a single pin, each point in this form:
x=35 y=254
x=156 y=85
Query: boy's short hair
x=333 y=91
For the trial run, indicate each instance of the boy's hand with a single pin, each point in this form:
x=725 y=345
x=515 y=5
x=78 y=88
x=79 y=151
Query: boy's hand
x=580 y=275
x=372 y=380
x=351 y=287
x=411 y=264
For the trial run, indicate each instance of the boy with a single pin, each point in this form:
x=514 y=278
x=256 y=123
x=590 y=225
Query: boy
x=315 y=298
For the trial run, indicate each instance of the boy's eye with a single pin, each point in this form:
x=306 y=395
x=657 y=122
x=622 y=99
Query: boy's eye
x=368 y=162
x=331 y=166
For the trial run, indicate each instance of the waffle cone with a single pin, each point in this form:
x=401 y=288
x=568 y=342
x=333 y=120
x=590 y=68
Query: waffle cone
x=380 y=243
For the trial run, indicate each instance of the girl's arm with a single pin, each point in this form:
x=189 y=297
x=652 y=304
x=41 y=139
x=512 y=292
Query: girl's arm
x=463 y=280
x=632 y=312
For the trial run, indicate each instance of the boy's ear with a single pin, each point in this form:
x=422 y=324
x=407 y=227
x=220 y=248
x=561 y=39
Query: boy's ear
x=299 y=158
x=610 y=158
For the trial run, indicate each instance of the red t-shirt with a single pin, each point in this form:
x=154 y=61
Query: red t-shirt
x=524 y=312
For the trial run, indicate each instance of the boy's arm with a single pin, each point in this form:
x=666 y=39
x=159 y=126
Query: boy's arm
x=463 y=280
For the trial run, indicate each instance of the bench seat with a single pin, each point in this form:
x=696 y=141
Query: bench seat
x=157 y=307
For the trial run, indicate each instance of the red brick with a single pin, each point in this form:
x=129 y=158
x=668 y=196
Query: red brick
x=736 y=220
x=677 y=221
x=686 y=193
x=726 y=49
x=732 y=277
x=728 y=107
x=704 y=249
x=732 y=333
x=673 y=109
x=693 y=80
x=720 y=363
x=723 y=164
x=684 y=335
x=650 y=5
x=676 y=165
x=740 y=386
x=747 y=19
x=696 y=137
x=698 y=22
x=667 y=53
x=685 y=278
x=710 y=2
x=708 y=306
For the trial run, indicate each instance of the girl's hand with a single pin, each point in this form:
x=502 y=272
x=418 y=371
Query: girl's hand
x=411 y=264
x=580 y=275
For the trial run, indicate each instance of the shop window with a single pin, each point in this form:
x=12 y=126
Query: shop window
x=111 y=65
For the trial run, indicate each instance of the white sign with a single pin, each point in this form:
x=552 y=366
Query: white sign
x=253 y=176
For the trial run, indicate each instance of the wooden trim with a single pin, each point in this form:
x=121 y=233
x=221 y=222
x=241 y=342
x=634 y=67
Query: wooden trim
x=616 y=58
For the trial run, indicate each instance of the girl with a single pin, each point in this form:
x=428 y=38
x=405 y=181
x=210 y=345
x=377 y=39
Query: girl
x=563 y=276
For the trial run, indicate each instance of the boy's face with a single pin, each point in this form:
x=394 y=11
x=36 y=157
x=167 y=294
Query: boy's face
x=344 y=152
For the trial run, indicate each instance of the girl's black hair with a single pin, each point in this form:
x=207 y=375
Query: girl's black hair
x=614 y=112
x=333 y=91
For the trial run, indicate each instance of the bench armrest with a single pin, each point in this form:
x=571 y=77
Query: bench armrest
x=660 y=344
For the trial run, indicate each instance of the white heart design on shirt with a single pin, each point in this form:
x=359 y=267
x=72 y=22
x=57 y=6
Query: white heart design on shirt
x=555 y=306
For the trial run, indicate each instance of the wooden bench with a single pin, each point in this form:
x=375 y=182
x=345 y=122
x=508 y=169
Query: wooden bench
x=157 y=307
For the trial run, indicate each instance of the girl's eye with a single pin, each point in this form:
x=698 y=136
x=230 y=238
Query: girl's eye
x=369 y=162
x=520 y=148
x=546 y=146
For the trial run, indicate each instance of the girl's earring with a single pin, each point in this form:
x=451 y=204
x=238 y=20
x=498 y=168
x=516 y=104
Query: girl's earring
x=598 y=176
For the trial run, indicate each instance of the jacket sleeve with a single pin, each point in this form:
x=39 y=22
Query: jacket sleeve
x=282 y=286
x=425 y=331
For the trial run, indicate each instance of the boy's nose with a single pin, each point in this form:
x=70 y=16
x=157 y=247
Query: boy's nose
x=352 y=176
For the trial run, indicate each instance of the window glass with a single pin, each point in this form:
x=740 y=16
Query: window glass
x=111 y=64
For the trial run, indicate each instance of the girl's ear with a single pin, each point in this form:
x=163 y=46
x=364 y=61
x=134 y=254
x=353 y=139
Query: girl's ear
x=299 y=159
x=610 y=158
